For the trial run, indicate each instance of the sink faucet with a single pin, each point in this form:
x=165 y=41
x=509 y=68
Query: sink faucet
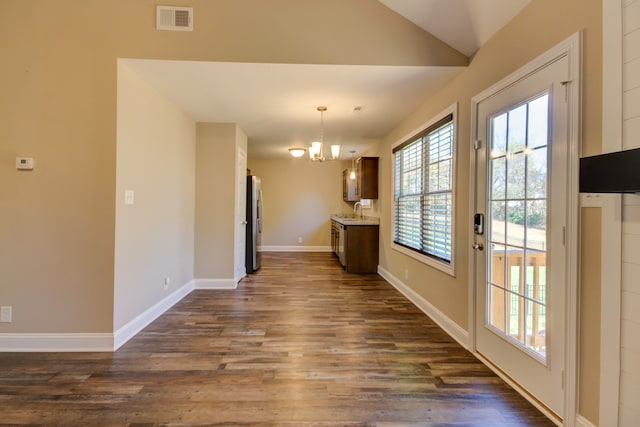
x=355 y=208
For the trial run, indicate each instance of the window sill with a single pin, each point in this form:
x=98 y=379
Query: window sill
x=431 y=262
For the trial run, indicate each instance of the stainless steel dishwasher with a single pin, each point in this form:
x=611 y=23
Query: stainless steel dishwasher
x=342 y=238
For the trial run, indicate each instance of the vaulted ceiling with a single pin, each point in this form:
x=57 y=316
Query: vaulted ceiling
x=275 y=103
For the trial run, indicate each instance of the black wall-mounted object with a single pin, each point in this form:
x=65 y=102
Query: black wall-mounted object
x=617 y=172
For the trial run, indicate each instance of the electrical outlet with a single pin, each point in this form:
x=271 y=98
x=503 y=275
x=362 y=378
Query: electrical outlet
x=167 y=282
x=299 y=239
x=5 y=314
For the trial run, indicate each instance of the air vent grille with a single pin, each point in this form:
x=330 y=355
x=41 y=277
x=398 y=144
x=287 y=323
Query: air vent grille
x=174 y=18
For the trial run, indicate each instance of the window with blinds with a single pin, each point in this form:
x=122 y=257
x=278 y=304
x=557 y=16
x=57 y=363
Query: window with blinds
x=423 y=191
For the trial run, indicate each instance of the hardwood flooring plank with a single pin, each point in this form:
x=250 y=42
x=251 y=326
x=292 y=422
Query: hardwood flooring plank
x=301 y=343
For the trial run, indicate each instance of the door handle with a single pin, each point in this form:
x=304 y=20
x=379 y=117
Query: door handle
x=477 y=246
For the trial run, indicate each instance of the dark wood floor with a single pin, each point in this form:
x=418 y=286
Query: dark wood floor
x=300 y=343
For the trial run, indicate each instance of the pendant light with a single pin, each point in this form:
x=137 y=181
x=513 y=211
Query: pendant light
x=316 y=151
x=352 y=175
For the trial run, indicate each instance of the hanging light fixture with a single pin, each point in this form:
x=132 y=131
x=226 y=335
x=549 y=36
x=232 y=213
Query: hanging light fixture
x=352 y=175
x=317 y=147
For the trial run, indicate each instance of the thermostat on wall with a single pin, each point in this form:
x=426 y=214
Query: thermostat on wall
x=24 y=163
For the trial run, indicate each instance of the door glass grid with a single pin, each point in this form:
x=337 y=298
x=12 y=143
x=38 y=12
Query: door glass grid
x=518 y=228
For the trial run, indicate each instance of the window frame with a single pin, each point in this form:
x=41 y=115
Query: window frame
x=430 y=260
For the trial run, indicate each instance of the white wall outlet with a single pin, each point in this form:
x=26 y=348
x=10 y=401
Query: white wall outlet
x=299 y=239
x=24 y=163
x=5 y=314
x=167 y=282
x=365 y=203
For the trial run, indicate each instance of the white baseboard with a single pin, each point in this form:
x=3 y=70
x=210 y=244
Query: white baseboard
x=111 y=342
x=56 y=342
x=131 y=328
x=83 y=342
x=215 y=283
x=294 y=248
x=583 y=422
x=449 y=326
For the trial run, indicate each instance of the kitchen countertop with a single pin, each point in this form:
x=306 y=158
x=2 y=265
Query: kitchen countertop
x=350 y=219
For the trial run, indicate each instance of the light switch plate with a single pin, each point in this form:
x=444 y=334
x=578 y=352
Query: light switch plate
x=129 y=197
x=5 y=314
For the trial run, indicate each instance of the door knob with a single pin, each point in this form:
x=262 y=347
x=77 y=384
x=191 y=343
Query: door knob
x=477 y=246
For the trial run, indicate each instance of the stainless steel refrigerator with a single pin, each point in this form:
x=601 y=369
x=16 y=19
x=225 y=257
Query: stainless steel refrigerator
x=254 y=224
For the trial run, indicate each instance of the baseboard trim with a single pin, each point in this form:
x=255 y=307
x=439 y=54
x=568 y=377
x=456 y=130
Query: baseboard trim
x=449 y=326
x=133 y=327
x=275 y=248
x=55 y=342
x=110 y=342
x=583 y=422
x=215 y=283
x=105 y=342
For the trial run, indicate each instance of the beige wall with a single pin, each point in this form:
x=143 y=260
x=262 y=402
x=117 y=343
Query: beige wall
x=215 y=201
x=516 y=44
x=57 y=222
x=299 y=197
x=154 y=237
x=589 y=344
x=58 y=105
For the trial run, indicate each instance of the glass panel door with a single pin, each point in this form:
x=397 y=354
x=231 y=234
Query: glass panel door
x=521 y=188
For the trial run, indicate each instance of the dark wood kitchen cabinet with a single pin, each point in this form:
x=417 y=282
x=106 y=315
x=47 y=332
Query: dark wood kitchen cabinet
x=361 y=248
x=367 y=178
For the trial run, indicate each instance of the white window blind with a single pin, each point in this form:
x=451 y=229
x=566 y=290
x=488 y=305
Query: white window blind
x=423 y=193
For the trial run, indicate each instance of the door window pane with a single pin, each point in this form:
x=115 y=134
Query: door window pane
x=499 y=136
x=538 y=122
x=497 y=313
x=499 y=178
x=536 y=327
x=498 y=215
x=517 y=128
x=537 y=224
x=518 y=217
x=515 y=223
x=497 y=260
x=515 y=175
x=537 y=173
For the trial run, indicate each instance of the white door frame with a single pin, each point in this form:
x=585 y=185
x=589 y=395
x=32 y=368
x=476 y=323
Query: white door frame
x=571 y=48
x=240 y=214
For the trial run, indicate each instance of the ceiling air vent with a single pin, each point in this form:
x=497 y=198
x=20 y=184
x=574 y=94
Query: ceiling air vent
x=174 y=18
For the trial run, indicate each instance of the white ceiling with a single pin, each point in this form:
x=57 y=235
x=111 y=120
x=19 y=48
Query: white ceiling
x=276 y=104
x=463 y=24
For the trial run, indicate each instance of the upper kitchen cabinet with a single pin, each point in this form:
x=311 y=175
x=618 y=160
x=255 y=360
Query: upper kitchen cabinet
x=367 y=178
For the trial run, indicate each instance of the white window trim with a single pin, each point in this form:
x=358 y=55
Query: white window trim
x=448 y=268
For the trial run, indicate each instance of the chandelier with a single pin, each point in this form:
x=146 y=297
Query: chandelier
x=316 y=151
